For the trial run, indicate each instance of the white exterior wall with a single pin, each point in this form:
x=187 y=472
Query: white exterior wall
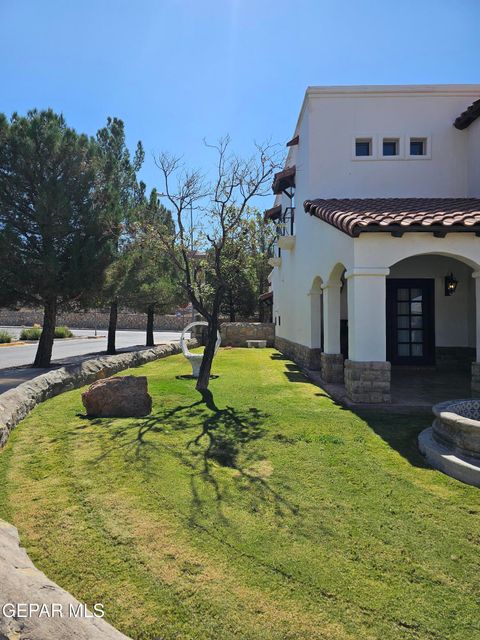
x=329 y=121
x=473 y=144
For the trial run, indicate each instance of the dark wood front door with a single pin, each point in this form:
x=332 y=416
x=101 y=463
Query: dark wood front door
x=411 y=321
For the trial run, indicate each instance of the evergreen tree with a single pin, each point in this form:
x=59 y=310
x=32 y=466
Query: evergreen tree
x=152 y=282
x=58 y=224
x=125 y=193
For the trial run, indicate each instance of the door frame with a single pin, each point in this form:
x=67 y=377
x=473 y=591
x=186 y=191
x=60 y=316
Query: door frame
x=428 y=287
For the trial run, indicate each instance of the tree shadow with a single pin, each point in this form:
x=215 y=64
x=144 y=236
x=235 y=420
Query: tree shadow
x=224 y=441
x=213 y=376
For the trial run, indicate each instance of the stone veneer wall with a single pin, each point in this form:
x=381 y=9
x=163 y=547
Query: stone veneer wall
x=92 y=320
x=476 y=377
x=367 y=382
x=332 y=367
x=236 y=334
x=299 y=353
x=454 y=358
x=16 y=403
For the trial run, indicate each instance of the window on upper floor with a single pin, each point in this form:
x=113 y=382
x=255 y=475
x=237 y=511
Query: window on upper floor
x=391 y=147
x=363 y=147
x=418 y=146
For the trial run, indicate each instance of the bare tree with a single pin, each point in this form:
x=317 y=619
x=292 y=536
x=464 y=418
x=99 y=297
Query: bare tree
x=222 y=207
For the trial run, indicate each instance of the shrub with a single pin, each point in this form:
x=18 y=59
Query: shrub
x=32 y=333
x=5 y=337
x=63 y=332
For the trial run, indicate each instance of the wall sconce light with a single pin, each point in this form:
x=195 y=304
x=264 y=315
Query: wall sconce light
x=450 y=285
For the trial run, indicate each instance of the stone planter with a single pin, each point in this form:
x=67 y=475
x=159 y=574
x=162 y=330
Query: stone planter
x=452 y=443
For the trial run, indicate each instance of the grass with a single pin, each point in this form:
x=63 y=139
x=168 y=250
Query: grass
x=31 y=333
x=34 y=333
x=5 y=337
x=263 y=512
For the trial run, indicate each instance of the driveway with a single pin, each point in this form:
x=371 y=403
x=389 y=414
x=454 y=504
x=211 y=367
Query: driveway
x=15 y=360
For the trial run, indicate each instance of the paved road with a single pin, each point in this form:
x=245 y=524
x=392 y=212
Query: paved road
x=15 y=360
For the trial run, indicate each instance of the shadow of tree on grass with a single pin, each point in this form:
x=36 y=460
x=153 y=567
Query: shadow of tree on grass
x=223 y=442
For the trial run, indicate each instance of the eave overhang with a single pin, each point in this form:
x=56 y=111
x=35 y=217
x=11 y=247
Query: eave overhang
x=284 y=180
x=273 y=214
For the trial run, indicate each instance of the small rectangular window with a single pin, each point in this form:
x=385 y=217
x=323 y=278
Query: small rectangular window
x=390 y=146
x=363 y=147
x=418 y=147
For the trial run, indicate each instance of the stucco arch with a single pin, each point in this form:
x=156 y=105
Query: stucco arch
x=455 y=317
x=335 y=277
x=473 y=264
x=382 y=250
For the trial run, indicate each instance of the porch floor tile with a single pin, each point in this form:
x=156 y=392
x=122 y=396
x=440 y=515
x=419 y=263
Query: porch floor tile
x=411 y=389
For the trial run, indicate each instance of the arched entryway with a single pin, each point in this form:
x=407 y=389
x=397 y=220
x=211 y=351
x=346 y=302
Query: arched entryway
x=431 y=313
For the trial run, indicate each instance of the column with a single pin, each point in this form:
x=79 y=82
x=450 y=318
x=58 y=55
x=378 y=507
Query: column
x=367 y=373
x=331 y=358
x=476 y=365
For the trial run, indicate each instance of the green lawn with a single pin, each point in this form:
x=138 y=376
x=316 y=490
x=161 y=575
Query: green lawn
x=267 y=512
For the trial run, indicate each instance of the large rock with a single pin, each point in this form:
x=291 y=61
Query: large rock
x=122 y=397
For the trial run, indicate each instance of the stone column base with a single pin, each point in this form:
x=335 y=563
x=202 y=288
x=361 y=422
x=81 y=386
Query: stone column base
x=331 y=365
x=476 y=377
x=367 y=381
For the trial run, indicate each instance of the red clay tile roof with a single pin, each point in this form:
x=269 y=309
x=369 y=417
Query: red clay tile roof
x=293 y=142
x=284 y=179
x=466 y=118
x=273 y=214
x=398 y=215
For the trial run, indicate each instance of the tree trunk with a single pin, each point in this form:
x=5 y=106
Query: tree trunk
x=112 y=327
x=208 y=355
x=150 y=323
x=45 y=344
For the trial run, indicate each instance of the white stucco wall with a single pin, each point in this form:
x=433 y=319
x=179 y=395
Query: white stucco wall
x=473 y=143
x=336 y=117
x=327 y=125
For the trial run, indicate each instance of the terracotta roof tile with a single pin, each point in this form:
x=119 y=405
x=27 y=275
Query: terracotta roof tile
x=354 y=216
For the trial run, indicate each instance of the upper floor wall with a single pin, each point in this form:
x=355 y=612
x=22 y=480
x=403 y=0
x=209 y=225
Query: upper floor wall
x=333 y=118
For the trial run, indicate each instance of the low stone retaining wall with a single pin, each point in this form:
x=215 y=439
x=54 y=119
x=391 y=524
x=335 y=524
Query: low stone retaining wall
x=21 y=581
x=16 y=403
x=236 y=334
x=299 y=353
x=92 y=320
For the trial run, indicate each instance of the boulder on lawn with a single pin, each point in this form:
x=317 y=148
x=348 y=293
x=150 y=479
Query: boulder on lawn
x=122 y=397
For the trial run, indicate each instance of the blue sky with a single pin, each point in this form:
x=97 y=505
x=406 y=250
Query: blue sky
x=178 y=71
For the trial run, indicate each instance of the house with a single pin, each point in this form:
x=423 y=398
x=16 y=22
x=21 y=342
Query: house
x=377 y=259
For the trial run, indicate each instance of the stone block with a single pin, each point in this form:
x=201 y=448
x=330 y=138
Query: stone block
x=367 y=382
x=332 y=367
x=121 y=397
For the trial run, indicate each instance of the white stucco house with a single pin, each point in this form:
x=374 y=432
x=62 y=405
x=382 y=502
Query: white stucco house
x=377 y=260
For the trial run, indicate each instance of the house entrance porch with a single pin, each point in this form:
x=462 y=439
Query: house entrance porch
x=420 y=311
